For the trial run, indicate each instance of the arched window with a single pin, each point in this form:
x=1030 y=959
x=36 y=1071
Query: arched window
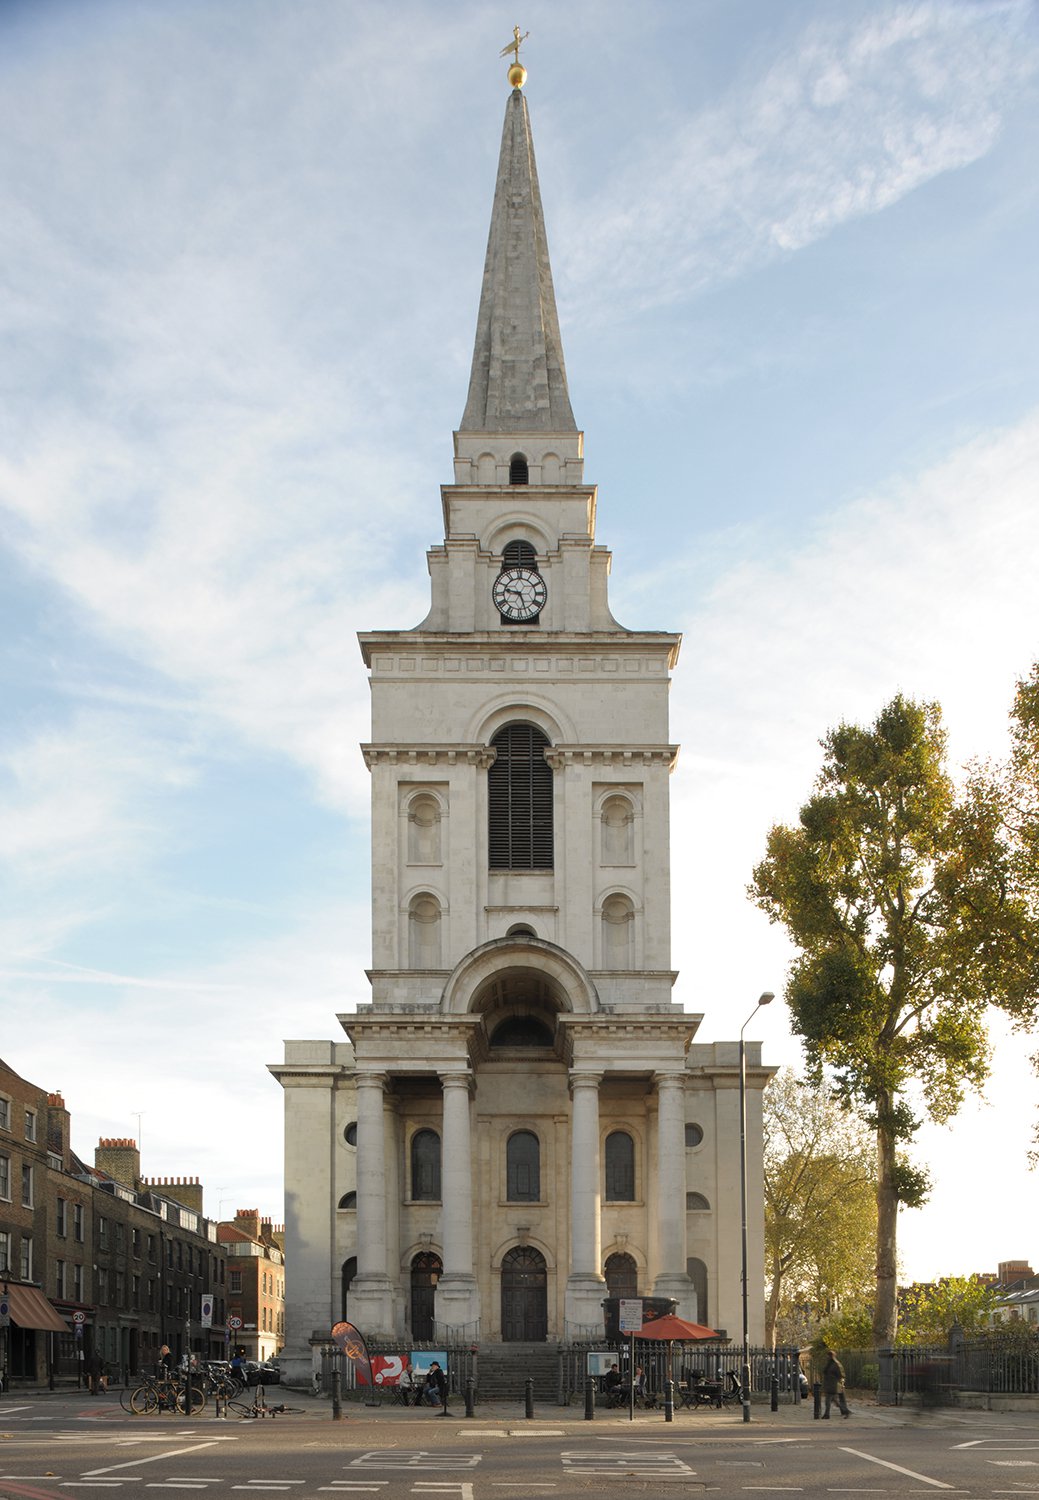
x=622 y=1276
x=696 y=1201
x=425 y=1167
x=348 y=1200
x=617 y=832
x=424 y=932
x=620 y=1167
x=423 y=830
x=519 y=794
x=523 y=1167
x=696 y=1270
x=518 y=470
x=618 y=931
x=347 y=1274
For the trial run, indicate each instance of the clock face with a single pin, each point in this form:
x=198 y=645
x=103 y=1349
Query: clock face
x=520 y=593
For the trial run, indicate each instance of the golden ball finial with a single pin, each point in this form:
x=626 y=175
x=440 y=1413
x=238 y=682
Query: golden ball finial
x=517 y=75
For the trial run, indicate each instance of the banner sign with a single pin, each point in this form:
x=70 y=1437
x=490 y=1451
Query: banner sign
x=350 y=1340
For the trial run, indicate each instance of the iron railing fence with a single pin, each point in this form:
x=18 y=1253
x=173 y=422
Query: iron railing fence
x=462 y=1362
x=710 y=1360
x=937 y=1372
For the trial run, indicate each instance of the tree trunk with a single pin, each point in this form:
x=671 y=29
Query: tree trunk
x=772 y=1305
x=885 y=1307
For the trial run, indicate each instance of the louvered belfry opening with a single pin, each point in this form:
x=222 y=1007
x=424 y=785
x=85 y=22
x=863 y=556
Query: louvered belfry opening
x=519 y=470
x=519 y=786
x=519 y=555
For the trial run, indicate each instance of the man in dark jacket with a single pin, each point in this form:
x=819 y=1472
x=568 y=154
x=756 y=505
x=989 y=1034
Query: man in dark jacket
x=833 y=1384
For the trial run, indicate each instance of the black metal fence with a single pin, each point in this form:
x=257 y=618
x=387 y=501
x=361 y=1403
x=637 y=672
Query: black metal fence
x=704 y=1359
x=989 y=1366
x=461 y=1364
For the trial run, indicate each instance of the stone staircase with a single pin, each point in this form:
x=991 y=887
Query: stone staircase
x=503 y=1371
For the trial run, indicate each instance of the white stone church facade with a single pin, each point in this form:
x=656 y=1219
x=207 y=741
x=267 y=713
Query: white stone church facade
x=521 y=1123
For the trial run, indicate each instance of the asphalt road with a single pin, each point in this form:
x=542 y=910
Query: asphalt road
x=54 y=1447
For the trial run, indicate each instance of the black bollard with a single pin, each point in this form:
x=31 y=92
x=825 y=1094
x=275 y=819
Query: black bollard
x=529 y=1397
x=669 y=1400
x=774 y=1385
x=470 y=1396
x=817 y=1400
x=589 y=1399
x=337 y=1396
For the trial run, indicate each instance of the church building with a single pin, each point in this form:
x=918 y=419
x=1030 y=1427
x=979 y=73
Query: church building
x=520 y=1124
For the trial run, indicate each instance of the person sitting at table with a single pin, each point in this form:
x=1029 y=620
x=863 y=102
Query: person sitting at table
x=405 y=1385
x=612 y=1385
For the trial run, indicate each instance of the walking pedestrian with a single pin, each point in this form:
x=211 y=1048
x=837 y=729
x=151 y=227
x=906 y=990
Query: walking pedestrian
x=833 y=1385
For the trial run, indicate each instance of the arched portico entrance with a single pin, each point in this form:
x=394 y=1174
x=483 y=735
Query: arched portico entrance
x=524 y=1296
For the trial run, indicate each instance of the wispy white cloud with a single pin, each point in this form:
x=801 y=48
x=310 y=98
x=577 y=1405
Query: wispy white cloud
x=860 y=114
x=926 y=588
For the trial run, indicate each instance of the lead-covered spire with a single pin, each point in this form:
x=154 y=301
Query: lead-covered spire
x=518 y=380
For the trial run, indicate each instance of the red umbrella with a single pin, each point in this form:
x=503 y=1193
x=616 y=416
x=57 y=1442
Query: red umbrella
x=675 y=1330
x=672 y=1330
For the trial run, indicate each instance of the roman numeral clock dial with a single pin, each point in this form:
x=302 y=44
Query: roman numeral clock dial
x=519 y=593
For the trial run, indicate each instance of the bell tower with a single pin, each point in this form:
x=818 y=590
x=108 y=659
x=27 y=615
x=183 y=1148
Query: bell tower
x=511 y=1120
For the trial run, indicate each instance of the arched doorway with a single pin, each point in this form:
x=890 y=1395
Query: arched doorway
x=524 y=1296
x=622 y=1276
x=426 y=1269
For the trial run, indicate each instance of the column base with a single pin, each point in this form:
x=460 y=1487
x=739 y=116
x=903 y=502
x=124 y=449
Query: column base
x=457 y=1307
x=678 y=1285
x=582 y=1306
x=369 y=1305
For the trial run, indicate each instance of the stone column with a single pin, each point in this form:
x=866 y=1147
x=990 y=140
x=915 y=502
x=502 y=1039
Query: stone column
x=457 y=1294
x=585 y=1287
x=672 y=1279
x=371 y=1292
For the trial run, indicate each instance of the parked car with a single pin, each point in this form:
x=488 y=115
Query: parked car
x=265 y=1373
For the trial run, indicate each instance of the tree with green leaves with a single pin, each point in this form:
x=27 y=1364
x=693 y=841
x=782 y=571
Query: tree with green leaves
x=909 y=907
x=820 y=1205
x=929 y=1311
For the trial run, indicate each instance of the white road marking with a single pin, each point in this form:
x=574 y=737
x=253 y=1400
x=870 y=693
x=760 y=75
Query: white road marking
x=135 y=1463
x=909 y=1473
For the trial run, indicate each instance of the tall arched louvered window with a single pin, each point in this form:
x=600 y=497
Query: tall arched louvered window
x=519 y=470
x=523 y=1167
x=425 y=1167
x=620 y=1167
x=519 y=793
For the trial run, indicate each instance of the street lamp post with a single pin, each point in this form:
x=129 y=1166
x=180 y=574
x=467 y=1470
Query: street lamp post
x=765 y=999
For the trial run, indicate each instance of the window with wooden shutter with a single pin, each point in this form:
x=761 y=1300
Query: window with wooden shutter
x=519 y=788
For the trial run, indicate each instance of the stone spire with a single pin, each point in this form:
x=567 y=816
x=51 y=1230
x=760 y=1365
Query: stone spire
x=518 y=380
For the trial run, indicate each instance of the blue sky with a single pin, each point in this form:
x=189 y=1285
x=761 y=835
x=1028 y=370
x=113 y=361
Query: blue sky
x=794 y=255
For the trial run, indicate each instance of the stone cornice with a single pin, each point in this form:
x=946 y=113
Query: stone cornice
x=481 y=756
x=472 y=645
x=559 y=756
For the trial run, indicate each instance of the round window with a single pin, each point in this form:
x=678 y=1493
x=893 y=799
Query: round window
x=693 y=1135
x=350 y=1133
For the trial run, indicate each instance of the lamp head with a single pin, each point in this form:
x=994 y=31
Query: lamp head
x=767 y=998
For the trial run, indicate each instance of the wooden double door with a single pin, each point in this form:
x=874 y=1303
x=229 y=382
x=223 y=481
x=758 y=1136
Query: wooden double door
x=524 y=1297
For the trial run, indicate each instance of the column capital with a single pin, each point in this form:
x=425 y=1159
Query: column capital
x=373 y=1080
x=584 y=1078
x=458 y=1078
x=670 y=1078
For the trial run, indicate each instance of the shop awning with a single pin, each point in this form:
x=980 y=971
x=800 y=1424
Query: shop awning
x=30 y=1309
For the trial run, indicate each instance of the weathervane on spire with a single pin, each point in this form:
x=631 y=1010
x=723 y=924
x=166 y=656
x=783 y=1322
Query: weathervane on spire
x=517 y=72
